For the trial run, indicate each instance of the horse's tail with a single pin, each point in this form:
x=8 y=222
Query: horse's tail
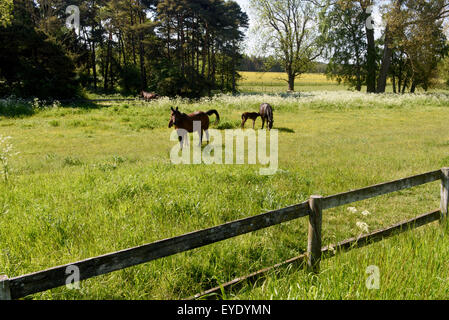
x=211 y=112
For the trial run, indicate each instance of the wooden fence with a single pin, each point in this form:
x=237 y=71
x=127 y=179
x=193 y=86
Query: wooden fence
x=21 y=286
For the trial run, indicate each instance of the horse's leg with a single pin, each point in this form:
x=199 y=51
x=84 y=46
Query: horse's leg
x=243 y=123
x=180 y=138
x=199 y=131
x=263 y=121
x=207 y=135
x=254 y=123
x=186 y=138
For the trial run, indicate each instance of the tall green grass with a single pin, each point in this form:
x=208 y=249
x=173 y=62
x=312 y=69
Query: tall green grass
x=89 y=181
x=411 y=267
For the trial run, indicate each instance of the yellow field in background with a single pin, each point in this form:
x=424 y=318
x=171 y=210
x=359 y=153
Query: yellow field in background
x=281 y=78
x=276 y=82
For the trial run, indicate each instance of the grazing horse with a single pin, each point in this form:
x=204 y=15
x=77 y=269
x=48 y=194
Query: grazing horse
x=249 y=115
x=148 y=96
x=266 y=113
x=186 y=122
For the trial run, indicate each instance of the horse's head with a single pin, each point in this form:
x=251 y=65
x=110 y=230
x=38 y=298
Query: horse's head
x=174 y=117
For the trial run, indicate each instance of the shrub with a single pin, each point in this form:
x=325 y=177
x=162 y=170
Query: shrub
x=13 y=107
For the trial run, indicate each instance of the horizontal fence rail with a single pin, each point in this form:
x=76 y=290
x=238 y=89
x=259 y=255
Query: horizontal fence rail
x=376 y=236
x=379 y=189
x=55 y=277
x=327 y=251
x=22 y=286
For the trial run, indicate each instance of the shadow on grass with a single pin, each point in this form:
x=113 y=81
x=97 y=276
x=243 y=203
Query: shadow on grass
x=288 y=130
x=226 y=125
x=80 y=104
x=17 y=108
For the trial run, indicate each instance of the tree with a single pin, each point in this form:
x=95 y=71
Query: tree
x=291 y=32
x=391 y=26
x=201 y=44
x=346 y=45
x=32 y=64
x=363 y=8
x=186 y=47
x=415 y=28
x=5 y=12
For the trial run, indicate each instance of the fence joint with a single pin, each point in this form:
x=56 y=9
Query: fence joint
x=314 y=237
x=444 y=193
x=5 y=292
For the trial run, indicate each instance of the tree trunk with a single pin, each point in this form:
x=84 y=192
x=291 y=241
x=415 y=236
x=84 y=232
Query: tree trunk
x=371 y=61
x=234 y=62
x=108 y=58
x=143 y=73
x=183 y=55
x=386 y=62
x=291 y=80
x=358 y=77
x=214 y=67
x=394 y=84
x=405 y=85
x=133 y=42
x=413 y=87
x=94 y=65
x=204 y=51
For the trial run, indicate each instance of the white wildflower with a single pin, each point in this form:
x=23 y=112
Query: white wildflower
x=352 y=209
x=362 y=226
x=366 y=213
x=5 y=154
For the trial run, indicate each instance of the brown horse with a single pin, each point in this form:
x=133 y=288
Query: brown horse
x=186 y=122
x=249 y=115
x=148 y=96
x=266 y=113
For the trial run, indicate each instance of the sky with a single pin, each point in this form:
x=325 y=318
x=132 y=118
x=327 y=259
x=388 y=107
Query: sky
x=250 y=42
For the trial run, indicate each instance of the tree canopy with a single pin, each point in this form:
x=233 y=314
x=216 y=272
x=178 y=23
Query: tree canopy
x=291 y=31
x=188 y=48
x=193 y=48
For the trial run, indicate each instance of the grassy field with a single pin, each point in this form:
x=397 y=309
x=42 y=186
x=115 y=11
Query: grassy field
x=93 y=180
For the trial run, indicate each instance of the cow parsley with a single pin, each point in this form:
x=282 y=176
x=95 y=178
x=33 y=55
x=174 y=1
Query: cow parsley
x=6 y=152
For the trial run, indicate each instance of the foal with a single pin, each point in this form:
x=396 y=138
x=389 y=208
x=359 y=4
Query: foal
x=186 y=122
x=249 y=115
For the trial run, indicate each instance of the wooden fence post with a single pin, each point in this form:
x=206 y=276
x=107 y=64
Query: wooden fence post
x=5 y=293
x=314 y=239
x=444 y=192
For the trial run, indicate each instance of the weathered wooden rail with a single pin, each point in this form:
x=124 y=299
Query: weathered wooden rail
x=327 y=251
x=21 y=286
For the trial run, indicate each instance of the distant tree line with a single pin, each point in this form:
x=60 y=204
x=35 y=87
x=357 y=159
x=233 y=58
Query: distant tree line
x=259 y=64
x=173 y=47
